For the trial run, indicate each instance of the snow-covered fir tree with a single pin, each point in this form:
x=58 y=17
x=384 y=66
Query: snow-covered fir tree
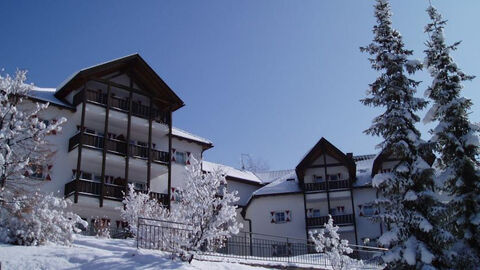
x=409 y=207
x=455 y=138
x=206 y=205
x=328 y=240
x=22 y=133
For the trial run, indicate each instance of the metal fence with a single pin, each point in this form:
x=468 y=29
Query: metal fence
x=169 y=236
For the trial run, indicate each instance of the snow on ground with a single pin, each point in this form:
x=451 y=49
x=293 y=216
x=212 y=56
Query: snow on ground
x=92 y=253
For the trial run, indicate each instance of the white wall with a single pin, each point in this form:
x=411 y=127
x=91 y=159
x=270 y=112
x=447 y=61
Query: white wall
x=244 y=190
x=365 y=227
x=259 y=212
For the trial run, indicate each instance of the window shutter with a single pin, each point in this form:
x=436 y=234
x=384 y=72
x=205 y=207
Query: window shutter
x=288 y=217
x=272 y=217
x=172 y=197
x=187 y=161
x=309 y=212
x=361 y=210
x=173 y=154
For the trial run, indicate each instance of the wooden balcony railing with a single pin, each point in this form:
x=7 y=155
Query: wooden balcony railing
x=117 y=147
x=337 y=219
x=120 y=103
x=110 y=191
x=332 y=184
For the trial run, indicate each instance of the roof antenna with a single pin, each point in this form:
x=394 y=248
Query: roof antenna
x=242 y=160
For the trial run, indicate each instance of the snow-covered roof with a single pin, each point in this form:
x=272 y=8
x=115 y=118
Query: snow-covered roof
x=230 y=171
x=47 y=95
x=287 y=183
x=268 y=177
x=189 y=136
x=364 y=170
x=69 y=78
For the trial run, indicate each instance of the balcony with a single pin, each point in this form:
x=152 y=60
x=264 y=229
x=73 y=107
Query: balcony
x=111 y=191
x=120 y=104
x=118 y=147
x=341 y=220
x=332 y=184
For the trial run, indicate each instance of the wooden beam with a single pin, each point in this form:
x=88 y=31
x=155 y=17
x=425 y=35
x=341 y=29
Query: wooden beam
x=131 y=88
x=169 y=192
x=80 y=144
x=128 y=150
x=326 y=181
x=105 y=139
x=354 y=217
x=149 y=157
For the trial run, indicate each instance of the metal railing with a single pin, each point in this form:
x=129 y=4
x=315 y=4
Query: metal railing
x=118 y=147
x=337 y=220
x=110 y=191
x=167 y=236
x=332 y=184
x=120 y=103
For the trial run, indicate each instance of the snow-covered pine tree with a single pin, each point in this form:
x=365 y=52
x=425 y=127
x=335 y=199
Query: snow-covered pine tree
x=22 y=133
x=328 y=240
x=409 y=207
x=455 y=138
x=206 y=205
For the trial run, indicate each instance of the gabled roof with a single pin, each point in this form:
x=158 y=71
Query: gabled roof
x=386 y=155
x=324 y=146
x=137 y=68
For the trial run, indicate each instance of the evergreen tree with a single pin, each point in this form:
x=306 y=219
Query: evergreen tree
x=409 y=207
x=455 y=138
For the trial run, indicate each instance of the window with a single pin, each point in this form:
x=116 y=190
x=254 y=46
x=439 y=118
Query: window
x=86 y=176
x=318 y=179
x=332 y=177
x=139 y=186
x=180 y=157
x=316 y=213
x=37 y=171
x=368 y=210
x=97 y=178
x=279 y=217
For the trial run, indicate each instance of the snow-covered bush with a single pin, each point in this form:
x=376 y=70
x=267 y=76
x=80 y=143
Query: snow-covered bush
x=22 y=133
x=36 y=219
x=208 y=207
x=139 y=204
x=328 y=240
x=101 y=227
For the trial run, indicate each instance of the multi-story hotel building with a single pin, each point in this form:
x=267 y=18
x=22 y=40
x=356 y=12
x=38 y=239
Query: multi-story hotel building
x=119 y=130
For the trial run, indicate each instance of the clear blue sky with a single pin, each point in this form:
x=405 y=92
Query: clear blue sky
x=268 y=78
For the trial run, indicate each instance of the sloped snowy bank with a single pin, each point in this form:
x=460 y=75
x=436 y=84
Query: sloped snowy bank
x=92 y=253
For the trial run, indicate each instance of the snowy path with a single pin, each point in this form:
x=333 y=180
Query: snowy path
x=99 y=254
